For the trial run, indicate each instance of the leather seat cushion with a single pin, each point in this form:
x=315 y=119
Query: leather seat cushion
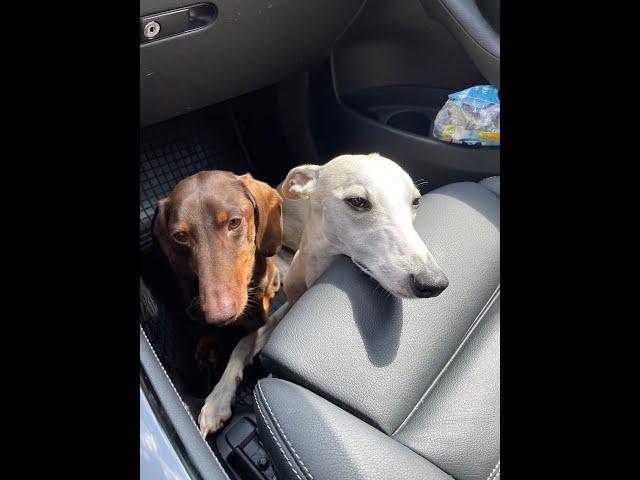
x=376 y=355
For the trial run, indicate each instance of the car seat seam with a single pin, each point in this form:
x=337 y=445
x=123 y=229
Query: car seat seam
x=264 y=399
x=467 y=335
x=273 y=436
x=497 y=474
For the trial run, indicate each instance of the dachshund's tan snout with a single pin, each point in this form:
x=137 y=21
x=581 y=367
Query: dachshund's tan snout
x=219 y=310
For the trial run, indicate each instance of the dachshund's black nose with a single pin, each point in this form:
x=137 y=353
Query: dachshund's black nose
x=426 y=285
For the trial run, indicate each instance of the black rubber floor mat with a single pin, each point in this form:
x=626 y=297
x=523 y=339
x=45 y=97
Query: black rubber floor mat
x=178 y=148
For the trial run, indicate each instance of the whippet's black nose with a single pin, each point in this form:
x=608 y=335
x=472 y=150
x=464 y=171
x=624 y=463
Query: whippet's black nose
x=426 y=285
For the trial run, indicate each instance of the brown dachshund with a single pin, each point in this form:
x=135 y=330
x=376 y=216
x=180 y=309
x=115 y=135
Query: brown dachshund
x=218 y=231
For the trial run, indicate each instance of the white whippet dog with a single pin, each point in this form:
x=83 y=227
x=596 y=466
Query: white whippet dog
x=362 y=206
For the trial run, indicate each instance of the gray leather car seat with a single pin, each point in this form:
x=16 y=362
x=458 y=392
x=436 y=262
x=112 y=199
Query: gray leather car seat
x=372 y=386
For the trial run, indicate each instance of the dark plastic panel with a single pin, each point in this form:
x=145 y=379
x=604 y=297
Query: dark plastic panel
x=398 y=43
x=389 y=75
x=181 y=20
x=466 y=20
x=251 y=44
x=242 y=451
x=363 y=122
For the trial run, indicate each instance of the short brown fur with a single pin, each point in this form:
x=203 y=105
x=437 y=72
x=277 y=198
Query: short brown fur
x=224 y=270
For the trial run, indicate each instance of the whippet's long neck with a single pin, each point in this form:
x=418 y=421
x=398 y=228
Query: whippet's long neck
x=313 y=257
x=316 y=251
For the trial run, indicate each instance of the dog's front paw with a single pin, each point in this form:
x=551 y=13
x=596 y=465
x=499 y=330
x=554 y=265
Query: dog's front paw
x=206 y=351
x=213 y=415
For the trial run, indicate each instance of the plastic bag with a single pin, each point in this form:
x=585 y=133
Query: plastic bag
x=470 y=117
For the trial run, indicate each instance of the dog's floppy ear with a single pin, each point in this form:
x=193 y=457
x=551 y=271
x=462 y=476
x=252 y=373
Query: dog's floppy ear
x=159 y=223
x=301 y=181
x=269 y=221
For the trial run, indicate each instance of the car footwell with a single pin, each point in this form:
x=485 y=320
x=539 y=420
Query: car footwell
x=170 y=151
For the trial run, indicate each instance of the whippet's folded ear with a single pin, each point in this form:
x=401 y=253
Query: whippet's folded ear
x=301 y=182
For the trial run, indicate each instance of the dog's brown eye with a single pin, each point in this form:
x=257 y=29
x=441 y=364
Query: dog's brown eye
x=416 y=202
x=180 y=237
x=234 y=223
x=358 y=203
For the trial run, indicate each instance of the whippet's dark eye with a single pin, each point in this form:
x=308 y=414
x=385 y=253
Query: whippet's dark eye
x=358 y=203
x=416 y=202
x=234 y=223
x=180 y=237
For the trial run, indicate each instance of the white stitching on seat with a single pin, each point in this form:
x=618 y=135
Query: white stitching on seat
x=494 y=471
x=273 y=436
x=282 y=430
x=183 y=404
x=483 y=311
